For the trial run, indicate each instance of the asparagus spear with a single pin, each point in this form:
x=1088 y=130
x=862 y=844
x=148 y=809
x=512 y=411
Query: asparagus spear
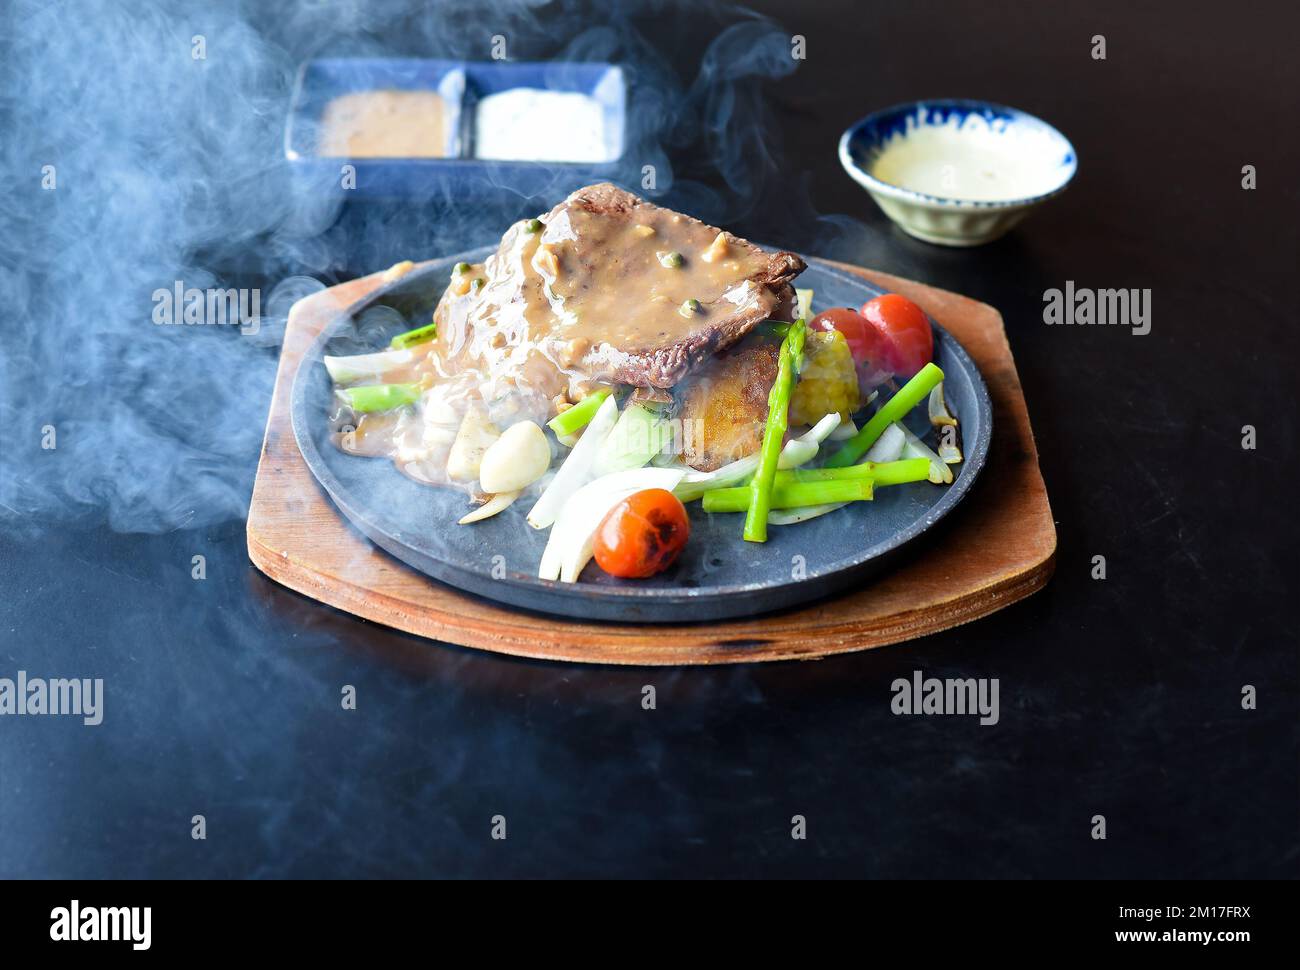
x=778 y=408
x=883 y=473
x=790 y=496
x=895 y=409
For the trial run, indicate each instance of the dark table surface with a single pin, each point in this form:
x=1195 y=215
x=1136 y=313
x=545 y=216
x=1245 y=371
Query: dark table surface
x=1120 y=697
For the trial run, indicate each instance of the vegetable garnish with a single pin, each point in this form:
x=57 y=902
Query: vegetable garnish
x=571 y=543
x=639 y=435
x=829 y=382
x=803 y=300
x=908 y=340
x=360 y=367
x=895 y=409
x=380 y=397
x=576 y=417
x=515 y=460
x=889 y=473
x=938 y=408
x=914 y=447
x=412 y=337
x=577 y=468
x=475 y=436
x=778 y=405
x=642 y=535
x=801 y=450
x=497 y=503
x=865 y=345
x=900 y=472
x=889 y=446
x=695 y=484
x=791 y=496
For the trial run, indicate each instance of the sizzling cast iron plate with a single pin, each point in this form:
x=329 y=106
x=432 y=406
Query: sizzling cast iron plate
x=717 y=576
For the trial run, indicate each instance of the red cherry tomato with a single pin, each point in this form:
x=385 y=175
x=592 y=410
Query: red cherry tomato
x=864 y=341
x=642 y=535
x=907 y=339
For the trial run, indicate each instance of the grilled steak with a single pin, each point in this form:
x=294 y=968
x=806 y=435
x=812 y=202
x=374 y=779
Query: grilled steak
x=605 y=288
x=608 y=256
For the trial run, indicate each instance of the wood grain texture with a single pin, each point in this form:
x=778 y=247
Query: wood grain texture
x=997 y=547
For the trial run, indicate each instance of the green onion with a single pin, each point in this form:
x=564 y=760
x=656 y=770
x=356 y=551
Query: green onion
x=567 y=422
x=380 y=397
x=794 y=495
x=412 y=337
x=533 y=225
x=895 y=409
x=778 y=408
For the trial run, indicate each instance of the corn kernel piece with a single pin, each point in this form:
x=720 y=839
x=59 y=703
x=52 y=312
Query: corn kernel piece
x=829 y=381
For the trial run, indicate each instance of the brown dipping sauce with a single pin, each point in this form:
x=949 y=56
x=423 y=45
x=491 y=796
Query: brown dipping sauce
x=384 y=124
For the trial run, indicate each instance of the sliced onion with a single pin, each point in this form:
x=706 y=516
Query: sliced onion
x=694 y=484
x=495 y=504
x=345 y=370
x=950 y=451
x=845 y=430
x=889 y=446
x=803 y=299
x=794 y=516
x=938 y=408
x=801 y=450
x=914 y=447
x=577 y=468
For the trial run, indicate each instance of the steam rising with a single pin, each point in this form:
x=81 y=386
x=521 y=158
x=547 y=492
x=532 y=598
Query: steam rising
x=166 y=167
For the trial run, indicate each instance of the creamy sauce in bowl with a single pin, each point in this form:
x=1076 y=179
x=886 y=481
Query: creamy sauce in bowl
x=532 y=124
x=971 y=159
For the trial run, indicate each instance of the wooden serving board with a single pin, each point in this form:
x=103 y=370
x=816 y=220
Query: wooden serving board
x=997 y=547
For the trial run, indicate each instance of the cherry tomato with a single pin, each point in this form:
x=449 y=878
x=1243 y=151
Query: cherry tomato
x=864 y=340
x=908 y=342
x=642 y=535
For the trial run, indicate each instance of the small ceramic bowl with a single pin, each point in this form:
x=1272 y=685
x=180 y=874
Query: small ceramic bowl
x=957 y=172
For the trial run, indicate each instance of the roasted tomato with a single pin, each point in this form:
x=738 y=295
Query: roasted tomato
x=642 y=535
x=908 y=343
x=863 y=340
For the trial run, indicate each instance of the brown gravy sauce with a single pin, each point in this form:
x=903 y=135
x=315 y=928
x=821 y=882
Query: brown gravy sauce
x=527 y=332
x=384 y=124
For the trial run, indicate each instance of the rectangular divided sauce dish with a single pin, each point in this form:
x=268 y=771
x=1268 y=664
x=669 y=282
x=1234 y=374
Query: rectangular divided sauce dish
x=412 y=128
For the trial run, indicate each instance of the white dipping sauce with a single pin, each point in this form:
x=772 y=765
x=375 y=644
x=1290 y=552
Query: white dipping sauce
x=976 y=161
x=530 y=124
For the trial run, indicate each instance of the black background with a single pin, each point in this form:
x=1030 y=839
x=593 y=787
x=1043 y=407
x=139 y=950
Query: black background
x=1119 y=697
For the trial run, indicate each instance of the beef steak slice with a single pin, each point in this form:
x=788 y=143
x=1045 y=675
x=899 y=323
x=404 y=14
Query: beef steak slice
x=609 y=240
